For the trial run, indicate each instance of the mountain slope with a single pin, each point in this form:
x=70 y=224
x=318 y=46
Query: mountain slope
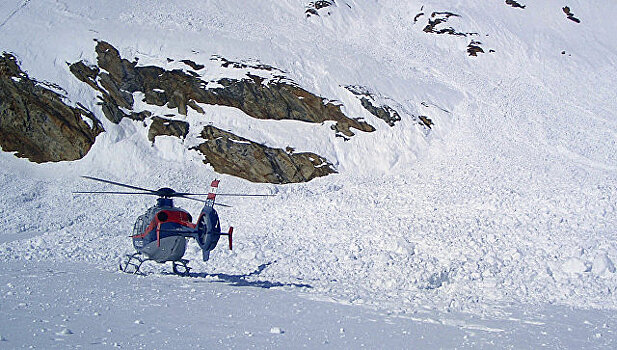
x=508 y=199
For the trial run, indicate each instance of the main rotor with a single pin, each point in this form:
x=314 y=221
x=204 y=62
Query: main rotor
x=162 y=193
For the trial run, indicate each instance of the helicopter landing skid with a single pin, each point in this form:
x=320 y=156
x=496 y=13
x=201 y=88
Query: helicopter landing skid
x=181 y=267
x=133 y=263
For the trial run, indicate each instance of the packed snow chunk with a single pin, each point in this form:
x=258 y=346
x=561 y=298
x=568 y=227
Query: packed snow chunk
x=602 y=265
x=276 y=330
x=575 y=265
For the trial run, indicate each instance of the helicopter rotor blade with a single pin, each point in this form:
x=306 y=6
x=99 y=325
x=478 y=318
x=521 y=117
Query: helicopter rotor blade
x=223 y=205
x=203 y=201
x=117 y=184
x=245 y=195
x=191 y=198
x=162 y=192
x=227 y=194
x=112 y=192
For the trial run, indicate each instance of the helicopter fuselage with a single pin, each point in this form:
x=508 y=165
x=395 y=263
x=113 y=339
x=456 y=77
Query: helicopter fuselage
x=161 y=232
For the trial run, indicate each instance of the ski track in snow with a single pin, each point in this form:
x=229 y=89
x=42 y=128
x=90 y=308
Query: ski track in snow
x=508 y=204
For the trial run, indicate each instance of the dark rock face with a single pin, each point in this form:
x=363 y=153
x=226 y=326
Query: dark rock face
x=116 y=79
x=230 y=154
x=436 y=25
x=281 y=100
x=312 y=9
x=570 y=15
x=36 y=123
x=515 y=4
x=473 y=49
x=438 y=18
x=225 y=63
x=193 y=65
x=426 y=121
x=278 y=100
x=383 y=112
x=167 y=127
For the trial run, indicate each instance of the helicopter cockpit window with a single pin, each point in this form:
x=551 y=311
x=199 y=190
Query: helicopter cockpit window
x=139 y=225
x=162 y=216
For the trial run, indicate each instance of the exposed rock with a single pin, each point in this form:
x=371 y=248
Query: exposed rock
x=438 y=18
x=435 y=26
x=230 y=154
x=312 y=9
x=167 y=127
x=570 y=15
x=117 y=79
x=383 y=111
x=193 y=65
x=515 y=4
x=36 y=123
x=112 y=98
x=280 y=100
x=276 y=99
x=242 y=65
x=426 y=121
x=417 y=17
x=474 y=48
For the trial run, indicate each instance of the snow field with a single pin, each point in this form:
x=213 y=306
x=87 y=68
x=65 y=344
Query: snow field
x=506 y=207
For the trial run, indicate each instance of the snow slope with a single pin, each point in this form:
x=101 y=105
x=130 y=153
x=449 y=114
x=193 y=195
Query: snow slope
x=507 y=205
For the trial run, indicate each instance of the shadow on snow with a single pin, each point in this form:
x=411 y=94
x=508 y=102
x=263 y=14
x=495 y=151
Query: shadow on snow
x=241 y=280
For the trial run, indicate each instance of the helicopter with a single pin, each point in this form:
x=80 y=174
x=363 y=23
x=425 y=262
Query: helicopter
x=160 y=234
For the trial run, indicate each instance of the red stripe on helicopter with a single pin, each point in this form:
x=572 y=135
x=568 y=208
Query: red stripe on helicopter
x=176 y=217
x=158 y=235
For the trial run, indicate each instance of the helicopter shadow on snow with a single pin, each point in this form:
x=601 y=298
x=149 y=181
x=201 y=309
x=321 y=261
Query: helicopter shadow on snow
x=241 y=280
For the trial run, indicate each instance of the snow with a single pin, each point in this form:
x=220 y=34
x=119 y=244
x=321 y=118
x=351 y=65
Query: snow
x=494 y=229
x=51 y=307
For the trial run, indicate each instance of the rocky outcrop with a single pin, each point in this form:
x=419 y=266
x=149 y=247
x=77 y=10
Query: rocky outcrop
x=570 y=15
x=474 y=48
x=225 y=63
x=438 y=18
x=426 y=121
x=313 y=7
x=280 y=100
x=276 y=99
x=168 y=127
x=36 y=123
x=230 y=154
x=383 y=111
x=515 y=4
x=437 y=25
x=373 y=103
